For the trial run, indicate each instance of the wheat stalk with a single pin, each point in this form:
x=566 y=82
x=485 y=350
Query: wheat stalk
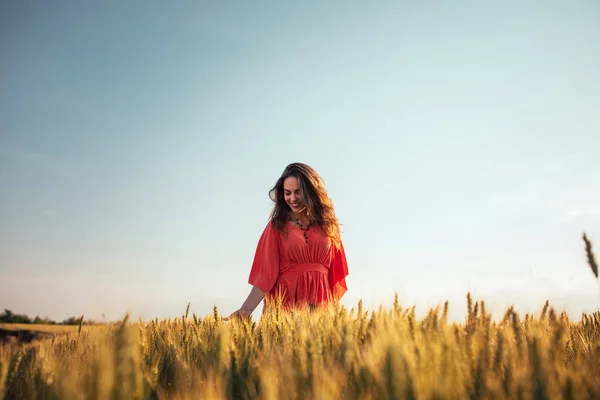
x=591 y=258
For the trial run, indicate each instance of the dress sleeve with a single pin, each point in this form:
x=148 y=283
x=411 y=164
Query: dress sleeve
x=265 y=267
x=338 y=272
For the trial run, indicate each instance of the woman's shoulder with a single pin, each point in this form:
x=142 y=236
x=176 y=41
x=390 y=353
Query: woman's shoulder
x=273 y=226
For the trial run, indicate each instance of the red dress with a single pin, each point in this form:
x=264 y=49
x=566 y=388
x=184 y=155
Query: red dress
x=312 y=273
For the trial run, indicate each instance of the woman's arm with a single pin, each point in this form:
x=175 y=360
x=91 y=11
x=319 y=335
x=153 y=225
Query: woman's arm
x=253 y=300
x=264 y=270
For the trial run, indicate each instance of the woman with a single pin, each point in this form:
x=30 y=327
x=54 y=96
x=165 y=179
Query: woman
x=300 y=256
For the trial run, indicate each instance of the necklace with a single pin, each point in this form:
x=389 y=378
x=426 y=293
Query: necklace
x=302 y=227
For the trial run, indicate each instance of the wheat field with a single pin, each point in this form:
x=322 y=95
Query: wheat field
x=332 y=353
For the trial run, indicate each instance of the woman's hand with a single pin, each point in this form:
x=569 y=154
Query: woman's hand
x=245 y=311
x=240 y=314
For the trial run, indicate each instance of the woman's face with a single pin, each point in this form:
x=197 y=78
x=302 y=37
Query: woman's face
x=292 y=194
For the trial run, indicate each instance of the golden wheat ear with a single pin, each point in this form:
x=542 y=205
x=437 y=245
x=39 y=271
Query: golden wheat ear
x=590 y=256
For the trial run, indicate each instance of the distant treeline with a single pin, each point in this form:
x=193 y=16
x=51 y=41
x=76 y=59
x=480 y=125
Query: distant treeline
x=9 y=317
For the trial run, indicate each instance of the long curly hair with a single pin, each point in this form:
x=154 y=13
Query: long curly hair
x=319 y=206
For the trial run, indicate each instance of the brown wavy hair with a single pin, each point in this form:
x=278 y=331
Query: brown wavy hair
x=320 y=209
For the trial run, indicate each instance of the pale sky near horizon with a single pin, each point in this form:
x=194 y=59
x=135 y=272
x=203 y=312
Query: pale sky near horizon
x=459 y=141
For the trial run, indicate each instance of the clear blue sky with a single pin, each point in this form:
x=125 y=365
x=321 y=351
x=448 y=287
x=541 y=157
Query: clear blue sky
x=460 y=143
